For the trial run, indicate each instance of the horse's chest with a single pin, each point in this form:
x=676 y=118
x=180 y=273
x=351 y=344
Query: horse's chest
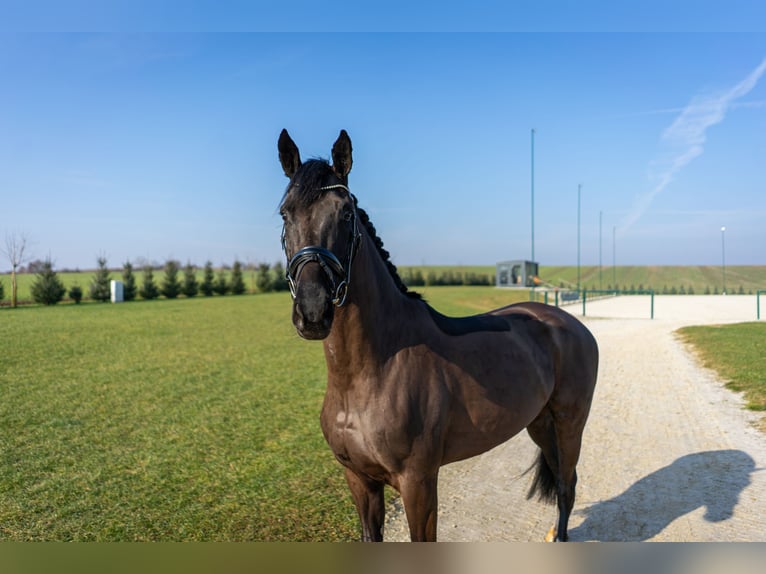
x=357 y=440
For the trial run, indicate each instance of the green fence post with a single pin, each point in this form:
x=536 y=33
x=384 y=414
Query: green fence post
x=583 y=301
x=546 y=297
x=652 y=315
x=557 y=298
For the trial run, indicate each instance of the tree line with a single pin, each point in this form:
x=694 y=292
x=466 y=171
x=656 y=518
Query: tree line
x=416 y=278
x=48 y=288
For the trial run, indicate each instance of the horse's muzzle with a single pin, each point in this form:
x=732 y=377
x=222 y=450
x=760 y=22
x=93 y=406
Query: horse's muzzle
x=313 y=309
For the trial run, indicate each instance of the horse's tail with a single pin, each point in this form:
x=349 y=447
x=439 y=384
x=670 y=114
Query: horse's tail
x=544 y=482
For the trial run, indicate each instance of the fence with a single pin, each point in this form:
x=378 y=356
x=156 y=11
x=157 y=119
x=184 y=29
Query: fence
x=571 y=296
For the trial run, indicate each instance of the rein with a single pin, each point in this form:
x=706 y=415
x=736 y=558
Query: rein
x=327 y=260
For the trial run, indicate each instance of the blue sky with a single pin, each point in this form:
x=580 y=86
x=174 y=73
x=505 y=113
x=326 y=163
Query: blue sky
x=163 y=145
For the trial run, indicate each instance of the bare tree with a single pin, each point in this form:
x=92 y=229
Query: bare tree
x=15 y=250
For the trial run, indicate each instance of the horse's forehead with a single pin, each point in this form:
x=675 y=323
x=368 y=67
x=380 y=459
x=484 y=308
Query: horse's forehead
x=297 y=201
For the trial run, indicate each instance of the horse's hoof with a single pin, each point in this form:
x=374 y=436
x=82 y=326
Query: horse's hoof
x=551 y=536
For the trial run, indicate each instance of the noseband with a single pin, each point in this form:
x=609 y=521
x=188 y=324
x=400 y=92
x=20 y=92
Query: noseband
x=327 y=260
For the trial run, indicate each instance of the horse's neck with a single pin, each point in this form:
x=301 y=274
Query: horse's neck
x=374 y=320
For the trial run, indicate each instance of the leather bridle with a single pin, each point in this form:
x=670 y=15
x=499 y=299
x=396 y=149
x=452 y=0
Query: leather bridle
x=338 y=274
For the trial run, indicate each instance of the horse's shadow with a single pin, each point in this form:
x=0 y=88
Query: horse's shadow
x=712 y=479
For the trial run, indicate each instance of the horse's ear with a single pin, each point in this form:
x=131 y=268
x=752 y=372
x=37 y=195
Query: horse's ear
x=289 y=156
x=341 y=155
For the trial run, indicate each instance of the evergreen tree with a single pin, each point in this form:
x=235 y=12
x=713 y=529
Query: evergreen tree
x=208 y=280
x=171 y=286
x=237 y=286
x=280 y=280
x=129 y=288
x=221 y=286
x=47 y=287
x=149 y=289
x=100 y=290
x=2 y=291
x=190 y=285
x=75 y=294
x=263 y=279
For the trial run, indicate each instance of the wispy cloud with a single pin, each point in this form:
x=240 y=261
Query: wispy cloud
x=685 y=138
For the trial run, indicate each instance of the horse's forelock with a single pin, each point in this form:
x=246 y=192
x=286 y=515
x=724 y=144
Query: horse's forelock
x=305 y=187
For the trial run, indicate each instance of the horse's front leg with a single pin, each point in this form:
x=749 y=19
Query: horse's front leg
x=368 y=498
x=421 y=505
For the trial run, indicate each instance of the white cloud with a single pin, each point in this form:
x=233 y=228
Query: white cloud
x=685 y=138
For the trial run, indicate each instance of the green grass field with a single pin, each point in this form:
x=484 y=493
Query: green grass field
x=166 y=420
x=738 y=354
x=191 y=419
x=172 y=420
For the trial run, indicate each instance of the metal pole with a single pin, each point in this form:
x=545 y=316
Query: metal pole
x=614 y=258
x=723 y=258
x=600 y=268
x=579 y=188
x=533 y=194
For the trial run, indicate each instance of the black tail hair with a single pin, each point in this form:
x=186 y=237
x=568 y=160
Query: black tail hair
x=544 y=482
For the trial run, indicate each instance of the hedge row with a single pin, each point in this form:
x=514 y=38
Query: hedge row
x=48 y=289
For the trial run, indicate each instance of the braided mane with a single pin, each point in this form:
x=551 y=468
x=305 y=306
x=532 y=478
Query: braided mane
x=305 y=189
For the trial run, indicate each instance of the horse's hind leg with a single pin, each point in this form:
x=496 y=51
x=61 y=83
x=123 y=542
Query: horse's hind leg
x=556 y=475
x=368 y=498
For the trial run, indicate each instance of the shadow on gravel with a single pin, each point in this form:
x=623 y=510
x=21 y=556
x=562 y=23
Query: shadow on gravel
x=712 y=479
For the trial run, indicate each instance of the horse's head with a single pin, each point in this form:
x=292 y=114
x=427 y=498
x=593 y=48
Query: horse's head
x=320 y=234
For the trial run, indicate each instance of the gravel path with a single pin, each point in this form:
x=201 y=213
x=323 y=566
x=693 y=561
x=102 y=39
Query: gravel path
x=669 y=454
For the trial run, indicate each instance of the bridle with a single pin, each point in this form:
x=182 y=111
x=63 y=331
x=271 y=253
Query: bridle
x=327 y=260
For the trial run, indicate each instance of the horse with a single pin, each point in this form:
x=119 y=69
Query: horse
x=409 y=389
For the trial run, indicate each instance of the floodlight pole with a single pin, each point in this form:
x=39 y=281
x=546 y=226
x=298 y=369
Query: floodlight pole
x=533 y=194
x=723 y=258
x=579 y=188
x=614 y=257
x=600 y=266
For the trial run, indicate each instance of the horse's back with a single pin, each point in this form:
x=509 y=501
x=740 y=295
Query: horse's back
x=573 y=343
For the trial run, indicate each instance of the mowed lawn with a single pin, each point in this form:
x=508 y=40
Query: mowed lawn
x=166 y=420
x=738 y=354
x=191 y=419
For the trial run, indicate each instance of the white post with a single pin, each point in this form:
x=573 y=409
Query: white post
x=116 y=287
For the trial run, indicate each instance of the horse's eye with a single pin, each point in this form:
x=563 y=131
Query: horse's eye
x=348 y=215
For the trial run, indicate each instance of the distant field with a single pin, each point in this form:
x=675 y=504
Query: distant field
x=701 y=279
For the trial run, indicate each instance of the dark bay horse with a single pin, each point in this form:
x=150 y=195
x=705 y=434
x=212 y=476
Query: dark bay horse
x=408 y=389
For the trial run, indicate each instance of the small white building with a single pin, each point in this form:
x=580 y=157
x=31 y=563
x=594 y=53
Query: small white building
x=516 y=274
